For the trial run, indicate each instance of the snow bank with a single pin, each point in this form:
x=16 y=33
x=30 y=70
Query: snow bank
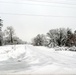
x=28 y=59
x=13 y=52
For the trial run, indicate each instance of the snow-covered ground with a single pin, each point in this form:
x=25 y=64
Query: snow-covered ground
x=27 y=59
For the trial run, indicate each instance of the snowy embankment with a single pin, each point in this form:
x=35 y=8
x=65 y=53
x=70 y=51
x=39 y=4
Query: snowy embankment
x=27 y=59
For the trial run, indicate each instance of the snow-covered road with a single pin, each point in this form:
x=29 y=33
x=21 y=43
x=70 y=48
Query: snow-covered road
x=27 y=59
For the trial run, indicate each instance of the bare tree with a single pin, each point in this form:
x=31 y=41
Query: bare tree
x=58 y=36
x=9 y=32
x=39 y=40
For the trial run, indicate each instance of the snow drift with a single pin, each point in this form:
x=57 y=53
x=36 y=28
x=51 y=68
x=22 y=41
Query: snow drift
x=27 y=59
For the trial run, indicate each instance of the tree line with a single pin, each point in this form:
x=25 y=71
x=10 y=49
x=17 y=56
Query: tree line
x=8 y=36
x=56 y=37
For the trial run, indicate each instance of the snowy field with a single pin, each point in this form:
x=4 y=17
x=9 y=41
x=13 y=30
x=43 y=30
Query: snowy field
x=27 y=59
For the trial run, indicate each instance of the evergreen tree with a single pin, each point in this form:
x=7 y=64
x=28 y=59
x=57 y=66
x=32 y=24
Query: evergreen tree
x=1 y=35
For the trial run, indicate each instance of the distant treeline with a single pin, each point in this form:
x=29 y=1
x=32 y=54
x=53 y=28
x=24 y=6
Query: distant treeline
x=56 y=37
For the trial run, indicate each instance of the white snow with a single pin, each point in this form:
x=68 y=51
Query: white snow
x=28 y=59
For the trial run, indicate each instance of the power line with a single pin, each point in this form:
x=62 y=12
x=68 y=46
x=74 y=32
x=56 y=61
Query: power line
x=37 y=15
x=35 y=1
x=54 y=2
x=40 y=4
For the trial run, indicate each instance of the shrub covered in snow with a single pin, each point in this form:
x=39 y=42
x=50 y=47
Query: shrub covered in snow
x=72 y=48
x=61 y=48
x=65 y=48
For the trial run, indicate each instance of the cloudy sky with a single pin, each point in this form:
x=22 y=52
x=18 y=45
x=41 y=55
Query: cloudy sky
x=32 y=17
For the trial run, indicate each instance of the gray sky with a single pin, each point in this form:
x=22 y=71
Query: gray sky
x=32 y=17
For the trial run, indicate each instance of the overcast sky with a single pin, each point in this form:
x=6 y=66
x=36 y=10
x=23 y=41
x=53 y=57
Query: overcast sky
x=32 y=17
